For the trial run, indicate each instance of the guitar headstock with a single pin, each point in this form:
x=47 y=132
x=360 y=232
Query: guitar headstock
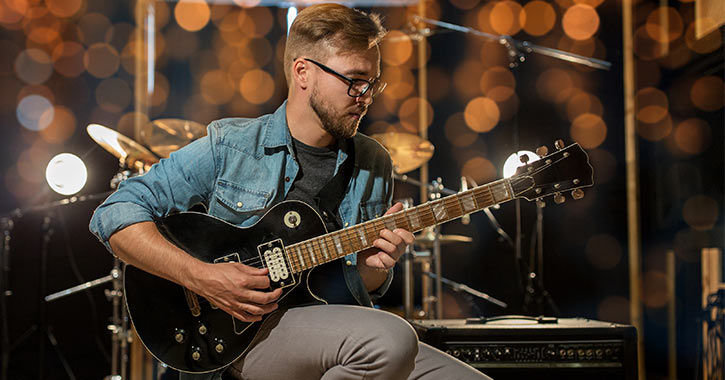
x=567 y=169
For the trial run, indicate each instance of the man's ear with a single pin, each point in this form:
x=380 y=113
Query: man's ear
x=301 y=73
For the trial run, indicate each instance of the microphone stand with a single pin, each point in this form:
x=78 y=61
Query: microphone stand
x=458 y=287
x=5 y=292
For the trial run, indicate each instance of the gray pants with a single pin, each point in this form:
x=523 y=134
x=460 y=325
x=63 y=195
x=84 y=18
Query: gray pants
x=336 y=342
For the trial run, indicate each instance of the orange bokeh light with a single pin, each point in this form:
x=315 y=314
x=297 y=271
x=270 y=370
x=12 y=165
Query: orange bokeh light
x=409 y=114
x=192 y=15
x=700 y=212
x=498 y=83
x=64 y=8
x=664 y=24
x=708 y=93
x=456 y=131
x=539 y=19
x=101 y=60
x=693 y=136
x=506 y=17
x=580 y=22
x=655 y=131
x=480 y=169
x=61 y=128
x=652 y=105
x=396 y=48
x=555 y=85
x=68 y=59
x=256 y=86
x=481 y=114
x=588 y=130
x=217 y=87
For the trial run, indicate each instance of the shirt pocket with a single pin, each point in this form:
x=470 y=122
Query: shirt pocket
x=237 y=204
x=372 y=209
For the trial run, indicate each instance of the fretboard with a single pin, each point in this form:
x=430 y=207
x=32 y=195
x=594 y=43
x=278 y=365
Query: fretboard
x=322 y=249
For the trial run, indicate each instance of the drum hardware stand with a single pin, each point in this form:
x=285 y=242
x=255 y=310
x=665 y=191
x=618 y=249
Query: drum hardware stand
x=7 y=224
x=458 y=287
x=119 y=322
x=42 y=327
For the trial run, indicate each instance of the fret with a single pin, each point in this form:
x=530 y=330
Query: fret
x=389 y=222
x=361 y=233
x=467 y=202
x=353 y=240
x=299 y=256
x=323 y=245
x=338 y=244
x=426 y=215
x=453 y=207
x=312 y=253
x=413 y=219
x=402 y=221
x=370 y=232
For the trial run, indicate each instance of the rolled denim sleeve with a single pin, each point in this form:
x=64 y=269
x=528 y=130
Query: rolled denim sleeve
x=173 y=184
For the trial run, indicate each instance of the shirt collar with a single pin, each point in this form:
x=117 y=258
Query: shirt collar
x=277 y=130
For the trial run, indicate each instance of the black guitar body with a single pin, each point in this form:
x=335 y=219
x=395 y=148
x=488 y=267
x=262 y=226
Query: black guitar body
x=160 y=309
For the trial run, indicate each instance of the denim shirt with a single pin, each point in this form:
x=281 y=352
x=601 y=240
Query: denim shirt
x=241 y=168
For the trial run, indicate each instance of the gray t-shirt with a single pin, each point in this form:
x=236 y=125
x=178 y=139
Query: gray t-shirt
x=317 y=166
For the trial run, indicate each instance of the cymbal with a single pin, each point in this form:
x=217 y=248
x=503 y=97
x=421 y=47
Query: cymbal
x=408 y=151
x=164 y=136
x=428 y=239
x=130 y=153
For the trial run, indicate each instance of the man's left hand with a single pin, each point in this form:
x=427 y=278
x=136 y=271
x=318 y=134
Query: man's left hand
x=388 y=248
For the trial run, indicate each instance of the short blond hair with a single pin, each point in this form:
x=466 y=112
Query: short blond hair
x=323 y=28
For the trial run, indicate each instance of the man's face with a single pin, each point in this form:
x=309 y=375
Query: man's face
x=339 y=113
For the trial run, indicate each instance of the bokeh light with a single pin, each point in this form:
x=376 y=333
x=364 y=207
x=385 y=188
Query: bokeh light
x=456 y=131
x=101 y=60
x=540 y=18
x=480 y=169
x=64 y=8
x=255 y=22
x=655 y=131
x=61 y=127
x=692 y=136
x=92 y=28
x=554 y=85
x=580 y=21
x=465 y=4
x=409 y=114
x=700 y=212
x=498 y=83
x=113 y=94
x=654 y=289
x=708 y=43
x=588 y=130
x=664 y=24
x=652 y=105
x=481 y=114
x=505 y=17
x=12 y=11
x=583 y=102
x=41 y=26
x=647 y=48
x=257 y=86
x=603 y=251
x=68 y=59
x=465 y=79
x=34 y=112
x=217 y=87
x=192 y=15
x=33 y=66
x=708 y=93
x=396 y=48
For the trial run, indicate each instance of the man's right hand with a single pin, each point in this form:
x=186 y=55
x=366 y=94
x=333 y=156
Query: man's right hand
x=236 y=288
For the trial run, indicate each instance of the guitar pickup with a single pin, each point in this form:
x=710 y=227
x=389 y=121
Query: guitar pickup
x=274 y=258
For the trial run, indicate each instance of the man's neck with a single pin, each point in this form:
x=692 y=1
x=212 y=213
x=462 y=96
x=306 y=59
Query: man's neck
x=305 y=126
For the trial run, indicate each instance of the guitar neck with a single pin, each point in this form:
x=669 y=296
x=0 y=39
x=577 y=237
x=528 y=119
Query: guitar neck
x=313 y=252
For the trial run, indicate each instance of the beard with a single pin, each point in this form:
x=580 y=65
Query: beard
x=338 y=125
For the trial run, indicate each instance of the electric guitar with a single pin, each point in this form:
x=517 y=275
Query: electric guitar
x=187 y=333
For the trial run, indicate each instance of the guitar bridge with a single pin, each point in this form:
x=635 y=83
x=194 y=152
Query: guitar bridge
x=274 y=258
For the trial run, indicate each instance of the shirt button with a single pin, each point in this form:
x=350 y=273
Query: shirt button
x=286 y=179
x=348 y=262
x=347 y=224
x=240 y=204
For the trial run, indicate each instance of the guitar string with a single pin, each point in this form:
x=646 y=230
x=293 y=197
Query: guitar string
x=425 y=214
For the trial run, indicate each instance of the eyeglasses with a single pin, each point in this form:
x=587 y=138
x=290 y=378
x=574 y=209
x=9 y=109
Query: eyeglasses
x=357 y=87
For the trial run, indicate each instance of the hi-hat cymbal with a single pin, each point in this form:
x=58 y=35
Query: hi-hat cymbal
x=407 y=151
x=130 y=153
x=164 y=136
x=428 y=239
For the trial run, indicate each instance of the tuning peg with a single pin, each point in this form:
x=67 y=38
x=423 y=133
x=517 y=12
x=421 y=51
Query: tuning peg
x=577 y=194
x=524 y=158
x=542 y=151
x=540 y=203
x=559 y=144
x=559 y=199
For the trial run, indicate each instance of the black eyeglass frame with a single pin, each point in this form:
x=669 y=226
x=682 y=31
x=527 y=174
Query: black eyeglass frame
x=351 y=81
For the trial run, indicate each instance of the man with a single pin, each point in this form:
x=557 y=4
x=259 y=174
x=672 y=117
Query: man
x=244 y=166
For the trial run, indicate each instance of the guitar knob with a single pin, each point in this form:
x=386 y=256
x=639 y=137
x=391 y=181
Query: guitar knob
x=219 y=346
x=559 y=144
x=196 y=353
x=577 y=194
x=542 y=151
x=559 y=199
x=179 y=336
x=202 y=329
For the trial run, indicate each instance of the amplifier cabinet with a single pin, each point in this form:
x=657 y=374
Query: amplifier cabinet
x=537 y=348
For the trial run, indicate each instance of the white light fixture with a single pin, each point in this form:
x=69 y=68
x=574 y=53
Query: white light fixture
x=66 y=174
x=513 y=162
